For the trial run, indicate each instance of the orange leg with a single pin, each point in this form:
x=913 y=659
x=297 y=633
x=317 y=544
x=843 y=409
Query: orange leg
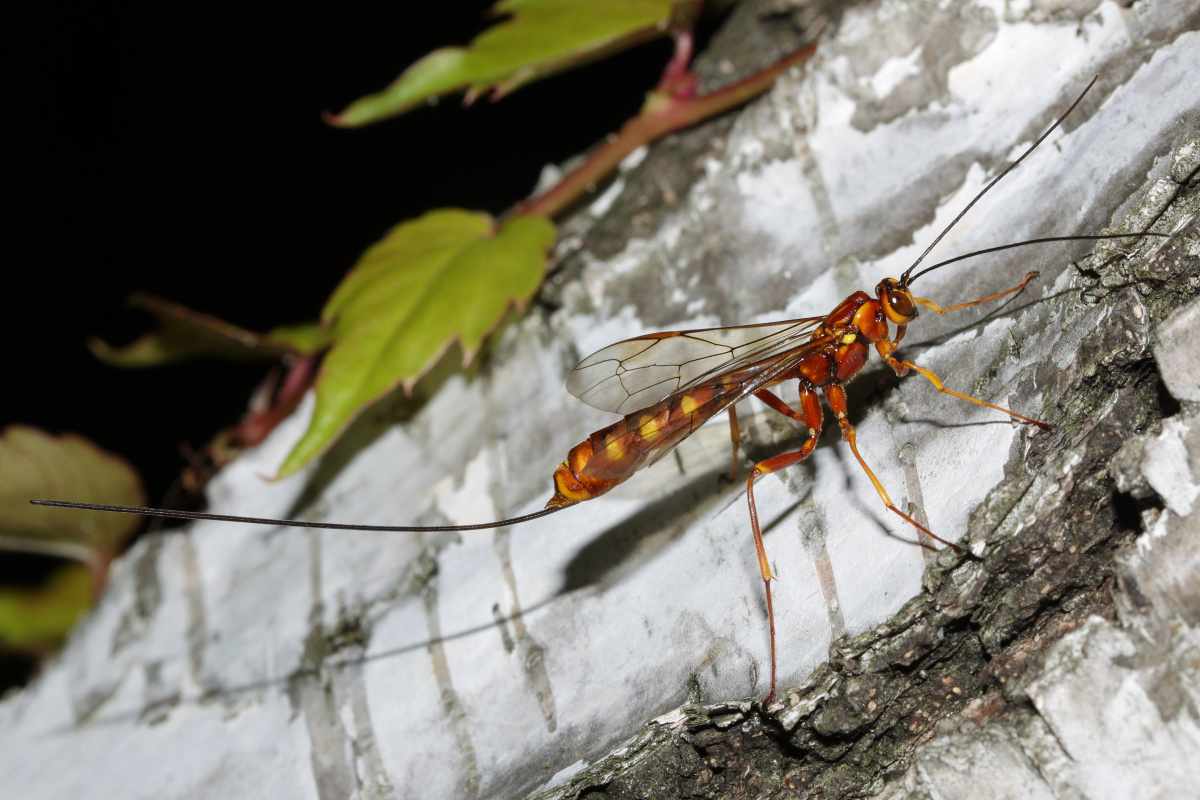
x=935 y=307
x=774 y=403
x=811 y=417
x=736 y=435
x=901 y=368
x=836 y=396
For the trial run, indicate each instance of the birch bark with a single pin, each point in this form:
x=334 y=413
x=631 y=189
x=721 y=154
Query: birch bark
x=256 y=662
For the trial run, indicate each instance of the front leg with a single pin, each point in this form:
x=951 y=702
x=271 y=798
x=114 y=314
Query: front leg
x=938 y=309
x=901 y=368
x=886 y=347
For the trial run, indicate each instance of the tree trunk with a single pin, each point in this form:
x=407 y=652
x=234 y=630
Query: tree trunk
x=612 y=650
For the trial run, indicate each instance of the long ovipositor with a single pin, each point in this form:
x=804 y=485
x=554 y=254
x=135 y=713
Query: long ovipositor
x=666 y=385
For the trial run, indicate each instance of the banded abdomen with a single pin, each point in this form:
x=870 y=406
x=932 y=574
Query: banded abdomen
x=611 y=455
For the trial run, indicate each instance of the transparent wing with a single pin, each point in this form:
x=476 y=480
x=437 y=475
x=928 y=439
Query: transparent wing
x=712 y=394
x=637 y=373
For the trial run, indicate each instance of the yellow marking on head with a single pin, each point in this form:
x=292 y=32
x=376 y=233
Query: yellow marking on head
x=849 y=338
x=688 y=404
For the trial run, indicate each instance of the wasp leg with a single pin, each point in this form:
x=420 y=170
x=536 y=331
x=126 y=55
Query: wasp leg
x=773 y=402
x=735 y=435
x=935 y=307
x=836 y=396
x=811 y=416
x=901 y=368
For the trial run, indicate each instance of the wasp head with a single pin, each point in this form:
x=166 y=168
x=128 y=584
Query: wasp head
x=896 y=301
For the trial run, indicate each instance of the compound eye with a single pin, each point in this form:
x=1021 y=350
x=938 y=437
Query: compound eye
x=900 y=303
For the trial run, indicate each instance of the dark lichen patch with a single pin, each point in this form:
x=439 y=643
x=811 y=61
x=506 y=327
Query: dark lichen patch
x=706 y=761
x=351 y=632
x=1164 y=275
x=147 y=597
x=868 y=723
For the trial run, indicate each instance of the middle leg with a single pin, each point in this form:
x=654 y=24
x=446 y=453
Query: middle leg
x=735 y=434
x=836 y=396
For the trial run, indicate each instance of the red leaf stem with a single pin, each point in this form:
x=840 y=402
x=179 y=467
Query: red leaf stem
x=662 y=114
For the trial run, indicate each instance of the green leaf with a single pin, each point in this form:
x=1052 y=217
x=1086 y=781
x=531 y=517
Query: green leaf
x=541 y=38
x=183 y=334
x=447 y=276
x=35 y=464
x=38 y=619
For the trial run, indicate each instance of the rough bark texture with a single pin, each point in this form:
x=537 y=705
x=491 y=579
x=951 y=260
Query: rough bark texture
x=1060 y=655
x=1054 y=658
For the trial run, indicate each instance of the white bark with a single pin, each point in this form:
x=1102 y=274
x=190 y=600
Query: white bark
x=257 y=662
x=1114 y=712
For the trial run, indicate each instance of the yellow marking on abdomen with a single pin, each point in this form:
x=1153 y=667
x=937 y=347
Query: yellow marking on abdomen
x=651 y=425
x=567 y=485
x=688 y=404
x=615 y=449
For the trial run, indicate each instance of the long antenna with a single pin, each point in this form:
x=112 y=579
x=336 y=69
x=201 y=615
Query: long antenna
x=904 y=279
x=291 y=523
x=998 y=248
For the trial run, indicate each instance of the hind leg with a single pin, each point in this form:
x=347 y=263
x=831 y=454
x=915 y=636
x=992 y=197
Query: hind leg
x=811 y=416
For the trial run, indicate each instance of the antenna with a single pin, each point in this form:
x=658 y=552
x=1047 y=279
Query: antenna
x=998 y=248
x=904 y=279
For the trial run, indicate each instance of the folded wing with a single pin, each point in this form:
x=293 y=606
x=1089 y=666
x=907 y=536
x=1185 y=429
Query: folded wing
x=637 y=373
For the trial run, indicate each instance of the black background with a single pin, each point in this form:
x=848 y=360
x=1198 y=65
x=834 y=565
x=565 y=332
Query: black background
x=179 y=150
